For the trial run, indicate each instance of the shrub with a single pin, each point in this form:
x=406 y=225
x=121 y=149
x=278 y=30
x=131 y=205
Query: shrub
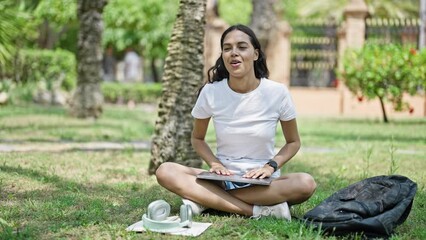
x=13 y=93
x=115 y=92
x=55 y=67
x=385 y=72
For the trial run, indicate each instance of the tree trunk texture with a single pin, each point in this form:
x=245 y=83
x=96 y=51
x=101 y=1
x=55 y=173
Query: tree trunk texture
x=87 y=100
x=263 y=20
x=183 y=75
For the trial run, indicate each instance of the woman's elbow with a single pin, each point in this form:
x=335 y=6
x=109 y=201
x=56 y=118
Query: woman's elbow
x=295 y=145
x=298 y=144
x=196 y=142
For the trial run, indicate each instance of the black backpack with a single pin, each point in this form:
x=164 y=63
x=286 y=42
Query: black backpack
x=373 y=207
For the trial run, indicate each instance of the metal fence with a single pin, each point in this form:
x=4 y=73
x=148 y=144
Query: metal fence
x=314 y=50
x=397 y=31
x=313 y=53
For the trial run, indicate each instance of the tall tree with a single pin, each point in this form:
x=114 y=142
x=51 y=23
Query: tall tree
x=386 y=72
x=183 y=75
x=263 y=20
x=87 y=100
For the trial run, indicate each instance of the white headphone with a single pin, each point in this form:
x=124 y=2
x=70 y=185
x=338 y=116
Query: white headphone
x=158 y=211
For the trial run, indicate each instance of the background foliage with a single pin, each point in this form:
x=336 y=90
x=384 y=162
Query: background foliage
x=385 y=72
x=228 y=8
x=50 y=66
x=115 y=92
x=12 y=21
x=294 y=10
x=144 y=25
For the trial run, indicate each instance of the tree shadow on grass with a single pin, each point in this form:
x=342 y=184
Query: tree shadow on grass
x=66 y=204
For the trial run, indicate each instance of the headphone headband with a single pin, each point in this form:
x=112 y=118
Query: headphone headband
x=158 y=211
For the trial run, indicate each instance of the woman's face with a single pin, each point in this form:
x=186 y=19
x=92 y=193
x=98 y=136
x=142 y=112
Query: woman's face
x=238 y=54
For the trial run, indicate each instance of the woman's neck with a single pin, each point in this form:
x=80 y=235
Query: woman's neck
x=243 y=85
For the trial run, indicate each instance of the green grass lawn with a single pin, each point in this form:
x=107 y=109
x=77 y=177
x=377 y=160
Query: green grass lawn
x=97 y=194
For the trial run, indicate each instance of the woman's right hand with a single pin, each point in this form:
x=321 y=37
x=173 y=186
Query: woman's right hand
x=219 y=169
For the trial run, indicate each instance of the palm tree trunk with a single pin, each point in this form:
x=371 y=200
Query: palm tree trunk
x=183 y=75
x=87 y=100
x=263 y=20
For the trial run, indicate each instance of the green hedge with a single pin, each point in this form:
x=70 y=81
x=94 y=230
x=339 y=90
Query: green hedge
x=115 y=92
x=36 y=65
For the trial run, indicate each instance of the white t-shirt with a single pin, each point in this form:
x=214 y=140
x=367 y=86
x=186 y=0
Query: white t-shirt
x=245 y=123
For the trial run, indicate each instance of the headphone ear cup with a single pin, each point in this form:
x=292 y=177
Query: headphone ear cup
x=158 y=210
x=186 y=214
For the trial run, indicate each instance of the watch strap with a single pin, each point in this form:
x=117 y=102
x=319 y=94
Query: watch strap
x=273 y=164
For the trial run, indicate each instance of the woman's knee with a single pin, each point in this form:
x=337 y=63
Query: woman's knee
x=165 y=171
x=307 y=184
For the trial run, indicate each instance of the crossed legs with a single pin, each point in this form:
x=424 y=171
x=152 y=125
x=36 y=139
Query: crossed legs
x=292 y=188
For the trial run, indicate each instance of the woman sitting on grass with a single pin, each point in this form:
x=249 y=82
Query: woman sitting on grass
x=245 y=107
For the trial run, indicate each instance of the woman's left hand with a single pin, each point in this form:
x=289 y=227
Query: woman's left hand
x=261 y=173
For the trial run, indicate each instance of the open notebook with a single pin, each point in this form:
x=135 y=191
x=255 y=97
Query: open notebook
x=234 y=178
